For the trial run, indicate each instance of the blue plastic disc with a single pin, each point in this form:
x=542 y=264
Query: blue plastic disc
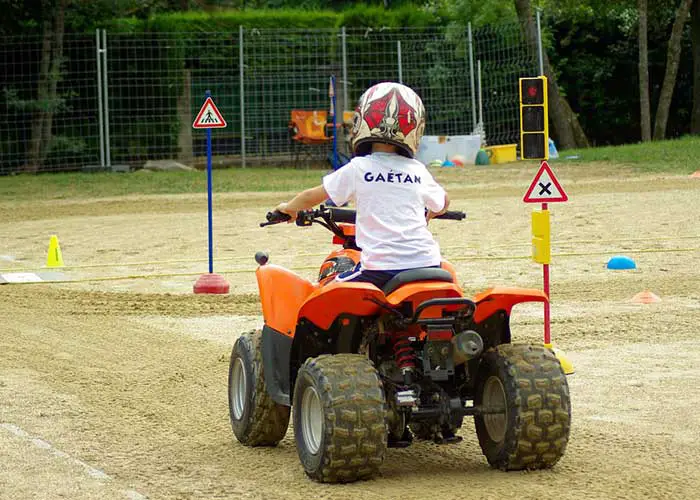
x=621 y=262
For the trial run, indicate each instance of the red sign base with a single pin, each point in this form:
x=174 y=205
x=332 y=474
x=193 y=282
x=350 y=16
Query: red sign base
x=211 y=283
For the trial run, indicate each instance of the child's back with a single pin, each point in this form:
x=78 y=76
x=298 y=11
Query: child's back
x=391 y=193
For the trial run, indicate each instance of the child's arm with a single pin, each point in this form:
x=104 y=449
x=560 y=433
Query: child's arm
x=432 y=214
x=303 y=201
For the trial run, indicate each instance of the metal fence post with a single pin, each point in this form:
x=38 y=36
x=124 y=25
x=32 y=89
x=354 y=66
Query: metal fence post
x=100 y=104
x=345 y=69
x=106 y=98
x=539 y=44
x=481 y=102
x=471 y=73
x=242 y=93
x=398 y=55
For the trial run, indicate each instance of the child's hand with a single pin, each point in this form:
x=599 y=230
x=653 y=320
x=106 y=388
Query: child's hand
x=282 y=207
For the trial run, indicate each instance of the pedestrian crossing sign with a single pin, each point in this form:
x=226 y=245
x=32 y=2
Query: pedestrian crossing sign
x=209 y=116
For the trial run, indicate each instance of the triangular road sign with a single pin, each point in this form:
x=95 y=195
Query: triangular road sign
x=209 y=116
x=545 y=188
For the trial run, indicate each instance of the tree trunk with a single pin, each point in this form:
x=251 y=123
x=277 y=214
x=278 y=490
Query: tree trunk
x=184 y=111
x=695 y=30
x=42 y=96
x=54 y=77
x=644 y=72
x=564 y=121
x=673 y=57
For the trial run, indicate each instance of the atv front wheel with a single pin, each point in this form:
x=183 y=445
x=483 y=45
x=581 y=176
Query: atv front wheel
x=255 y=418
x=527 y=411
x=339 y=421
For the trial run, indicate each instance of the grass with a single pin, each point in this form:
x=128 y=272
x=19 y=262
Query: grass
x=673 y=156
x=100 y=185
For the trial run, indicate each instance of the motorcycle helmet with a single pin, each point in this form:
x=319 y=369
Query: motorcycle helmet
x=390 y=113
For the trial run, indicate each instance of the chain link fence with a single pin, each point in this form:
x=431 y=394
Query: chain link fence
x=114 y=100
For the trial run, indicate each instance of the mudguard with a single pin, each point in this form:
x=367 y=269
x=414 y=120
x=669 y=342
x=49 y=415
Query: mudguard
x=500 y=298
x=276 y=349
x=324 y=304
x=420 y=291
x=290 y=290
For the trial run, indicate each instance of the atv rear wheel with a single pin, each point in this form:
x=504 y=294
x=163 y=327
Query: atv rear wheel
x=529 y=385
x=339 y=418
x=255 y=418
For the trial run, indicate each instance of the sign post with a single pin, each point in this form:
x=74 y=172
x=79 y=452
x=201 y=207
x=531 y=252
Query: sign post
x=208 y=118
x=545 y=189
x=331 y=95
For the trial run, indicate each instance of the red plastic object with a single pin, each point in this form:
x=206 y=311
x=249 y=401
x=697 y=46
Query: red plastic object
x=211 y=283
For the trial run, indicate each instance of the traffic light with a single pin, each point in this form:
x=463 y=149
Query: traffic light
x=534 y=125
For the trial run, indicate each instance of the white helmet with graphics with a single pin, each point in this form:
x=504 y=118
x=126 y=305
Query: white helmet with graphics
x=390 y=113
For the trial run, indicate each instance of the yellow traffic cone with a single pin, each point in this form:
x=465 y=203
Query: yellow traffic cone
x=54 y=257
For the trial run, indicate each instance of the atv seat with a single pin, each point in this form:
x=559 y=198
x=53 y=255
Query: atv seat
x=413 y=275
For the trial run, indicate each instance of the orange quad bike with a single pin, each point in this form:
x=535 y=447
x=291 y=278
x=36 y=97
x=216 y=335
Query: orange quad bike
x=361 y=369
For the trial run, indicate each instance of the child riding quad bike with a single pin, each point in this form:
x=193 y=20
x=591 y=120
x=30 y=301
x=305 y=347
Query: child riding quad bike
x=360 y=366
x=385 y=347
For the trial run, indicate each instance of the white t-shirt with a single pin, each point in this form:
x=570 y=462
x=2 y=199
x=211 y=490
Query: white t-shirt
x=391 y=193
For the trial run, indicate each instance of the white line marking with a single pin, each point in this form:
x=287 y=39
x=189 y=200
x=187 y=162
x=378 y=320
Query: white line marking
x=89 y=470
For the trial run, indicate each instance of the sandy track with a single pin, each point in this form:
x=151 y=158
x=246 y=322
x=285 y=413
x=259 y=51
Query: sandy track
x=130 y=377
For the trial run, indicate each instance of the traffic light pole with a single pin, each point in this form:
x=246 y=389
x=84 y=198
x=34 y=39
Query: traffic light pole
x=539 y=44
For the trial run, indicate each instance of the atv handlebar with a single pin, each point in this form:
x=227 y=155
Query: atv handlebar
x=338 y=215
x=275 y=218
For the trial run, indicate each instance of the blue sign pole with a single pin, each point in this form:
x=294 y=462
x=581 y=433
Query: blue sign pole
x=335 y=128
x=209 y=196
x=209 y=117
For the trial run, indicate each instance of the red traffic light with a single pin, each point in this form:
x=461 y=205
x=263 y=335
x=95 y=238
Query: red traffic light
x=532 y=90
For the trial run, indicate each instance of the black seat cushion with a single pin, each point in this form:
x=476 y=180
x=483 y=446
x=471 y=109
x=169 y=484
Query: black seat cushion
x=413 y=275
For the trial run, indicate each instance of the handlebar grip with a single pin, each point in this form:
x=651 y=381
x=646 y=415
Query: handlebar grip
x=343 y=215
x=452 y=215
x=275 y=218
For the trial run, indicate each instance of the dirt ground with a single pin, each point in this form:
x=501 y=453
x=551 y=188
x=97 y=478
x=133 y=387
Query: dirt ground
x=117 y=388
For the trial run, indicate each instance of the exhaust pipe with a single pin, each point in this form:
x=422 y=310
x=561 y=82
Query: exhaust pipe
x=468 y=345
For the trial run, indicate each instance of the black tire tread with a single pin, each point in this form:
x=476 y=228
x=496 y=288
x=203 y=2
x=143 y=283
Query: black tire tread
x=538 y=393
x=355 y=427
x=269 y=420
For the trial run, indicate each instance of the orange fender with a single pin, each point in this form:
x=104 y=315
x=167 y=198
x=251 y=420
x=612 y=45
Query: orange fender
x=327 y=302
x=423 y=290
x=501 y=298
x=291 y=291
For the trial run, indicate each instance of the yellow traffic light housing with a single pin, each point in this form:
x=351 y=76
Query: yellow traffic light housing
x=534 y=122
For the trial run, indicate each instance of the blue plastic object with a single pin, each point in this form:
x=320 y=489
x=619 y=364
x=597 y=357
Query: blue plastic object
x=448 y=163
x=553 y=153
x=621 y=262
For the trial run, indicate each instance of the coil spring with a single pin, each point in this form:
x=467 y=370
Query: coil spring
x=403 y=352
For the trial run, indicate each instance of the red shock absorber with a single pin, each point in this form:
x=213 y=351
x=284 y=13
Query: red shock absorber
x=403 y=352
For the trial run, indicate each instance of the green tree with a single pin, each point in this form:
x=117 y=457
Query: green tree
x=695 y=31
x=645 y=111
x=672 y=62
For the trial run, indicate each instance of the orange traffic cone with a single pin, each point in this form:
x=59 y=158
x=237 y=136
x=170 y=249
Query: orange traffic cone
x=646 y=297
